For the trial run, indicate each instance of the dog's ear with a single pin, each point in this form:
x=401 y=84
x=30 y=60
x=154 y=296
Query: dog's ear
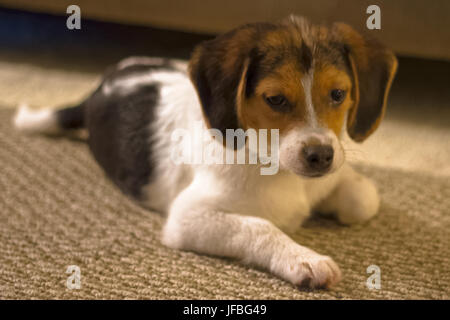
x=373 y=68
x=218 y=69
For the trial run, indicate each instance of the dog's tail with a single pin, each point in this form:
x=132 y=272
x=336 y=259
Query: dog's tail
x=49 y=121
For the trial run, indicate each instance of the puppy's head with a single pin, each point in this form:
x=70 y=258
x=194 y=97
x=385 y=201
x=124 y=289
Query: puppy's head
x=302 y=79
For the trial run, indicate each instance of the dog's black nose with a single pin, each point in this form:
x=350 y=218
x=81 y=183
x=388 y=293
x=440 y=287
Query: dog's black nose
x=318 y=158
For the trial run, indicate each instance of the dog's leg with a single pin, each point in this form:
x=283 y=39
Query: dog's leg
x=194 y=224
x=354 y=200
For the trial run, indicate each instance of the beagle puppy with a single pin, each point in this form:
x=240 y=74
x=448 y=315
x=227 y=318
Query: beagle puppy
x=307 y=82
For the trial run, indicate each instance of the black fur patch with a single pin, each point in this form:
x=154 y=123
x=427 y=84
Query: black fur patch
x=259 y=67
x=306 y=57
x=120 y=137
x=71 y=118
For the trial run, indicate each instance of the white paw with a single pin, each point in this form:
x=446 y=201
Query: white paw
x=359 y=200
x=312 y=271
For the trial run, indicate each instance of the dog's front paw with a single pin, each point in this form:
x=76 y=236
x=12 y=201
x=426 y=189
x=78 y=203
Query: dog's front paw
x=359 y=200
x=312 y=271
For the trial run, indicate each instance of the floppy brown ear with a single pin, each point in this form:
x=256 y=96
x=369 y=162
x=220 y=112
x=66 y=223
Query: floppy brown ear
x=373 y=67
x=217 y=69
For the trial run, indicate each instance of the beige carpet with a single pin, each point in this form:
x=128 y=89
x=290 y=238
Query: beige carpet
x=57 y=209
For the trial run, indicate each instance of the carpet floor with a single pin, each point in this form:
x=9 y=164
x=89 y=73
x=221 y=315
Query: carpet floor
x=57 y=209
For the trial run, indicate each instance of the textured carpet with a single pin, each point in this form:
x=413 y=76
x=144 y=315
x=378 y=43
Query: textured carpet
x=57 y=209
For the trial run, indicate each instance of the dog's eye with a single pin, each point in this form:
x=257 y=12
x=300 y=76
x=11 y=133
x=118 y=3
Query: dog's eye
x=337 y=96
x=278 y=103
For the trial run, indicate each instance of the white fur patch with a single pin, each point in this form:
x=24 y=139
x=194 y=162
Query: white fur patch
x=127 y=85
x=131 y=61
x=180 y=65
x=307 y=83
x=36 y=121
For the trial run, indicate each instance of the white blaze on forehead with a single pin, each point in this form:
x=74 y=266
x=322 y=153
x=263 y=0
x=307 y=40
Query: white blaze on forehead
x=307 y=83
